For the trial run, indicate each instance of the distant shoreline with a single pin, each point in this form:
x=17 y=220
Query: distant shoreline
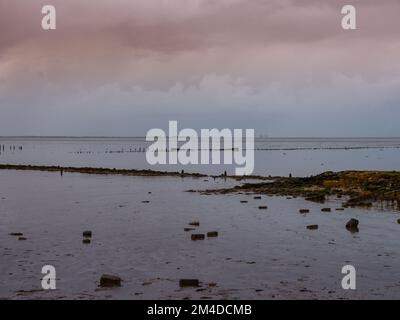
x=100 y=171
x=259 y=138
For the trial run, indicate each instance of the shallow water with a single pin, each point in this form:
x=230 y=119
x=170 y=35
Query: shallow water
x=259 y=254
x=300 y=157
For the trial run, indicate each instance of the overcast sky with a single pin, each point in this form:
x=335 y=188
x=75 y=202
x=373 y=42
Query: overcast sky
x=122 y=67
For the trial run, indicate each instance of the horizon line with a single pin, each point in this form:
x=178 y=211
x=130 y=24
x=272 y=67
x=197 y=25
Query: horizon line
x=143 y=137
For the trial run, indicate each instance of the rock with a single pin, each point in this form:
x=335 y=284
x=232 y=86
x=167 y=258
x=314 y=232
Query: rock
x=262 y=207
x=212 y=234
x=188 y=229
x=188 y=283
x=22 y=238
x=87 y=234
x=86 y=241
x=304 y=210
x=257 y=197
x=398 y=221
x=339 y=209
x=326 y=209
x=108 y=280
x=352 y=225
x=16 y=234
x=320 y=198
x=195 y=237
x=312 y=227
x=243 y=201
x=194 y=223
x=145 y=201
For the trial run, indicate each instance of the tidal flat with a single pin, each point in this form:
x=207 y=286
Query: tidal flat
x=141 y=231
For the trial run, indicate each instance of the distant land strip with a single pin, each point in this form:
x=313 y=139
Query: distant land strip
x=125 y=172
x=105 y=171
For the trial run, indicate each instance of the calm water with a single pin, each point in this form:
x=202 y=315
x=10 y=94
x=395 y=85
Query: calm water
x=259 y=254
x=273 y=156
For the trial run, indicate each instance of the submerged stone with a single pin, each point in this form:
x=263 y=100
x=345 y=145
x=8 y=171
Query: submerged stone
x=188 y=283
x=352 y=225
x=195 y=237
x=108 y=280
x=212 y=234
x=16 y=234
x=87 y=234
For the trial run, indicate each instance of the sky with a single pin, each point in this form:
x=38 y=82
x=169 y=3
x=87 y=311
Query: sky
x=285 y=68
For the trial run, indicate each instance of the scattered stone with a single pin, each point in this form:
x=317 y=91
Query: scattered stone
x=145 y=201
x=22 y=238
x=339 y=209
x=312 y=227
x=262 y=207
x=304 y=210
x=188 y=283
x=352 y=225
x=86 y=241
x=212 y=234
x=16 y=234
x=243 y=201
x=257 y=197
x=326 y=209
x=108 y=280
x=194 y=223
x=87 y=234
x=195 y=237
x=188 y=229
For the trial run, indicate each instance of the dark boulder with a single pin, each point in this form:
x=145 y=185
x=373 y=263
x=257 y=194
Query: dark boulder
x=188 y=283
x=108 y=280
x=87 y=234
x=212 y=234
x=352 y=225
x=195 y=237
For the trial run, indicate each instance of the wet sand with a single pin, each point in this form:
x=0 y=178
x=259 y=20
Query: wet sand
x=258 y=254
